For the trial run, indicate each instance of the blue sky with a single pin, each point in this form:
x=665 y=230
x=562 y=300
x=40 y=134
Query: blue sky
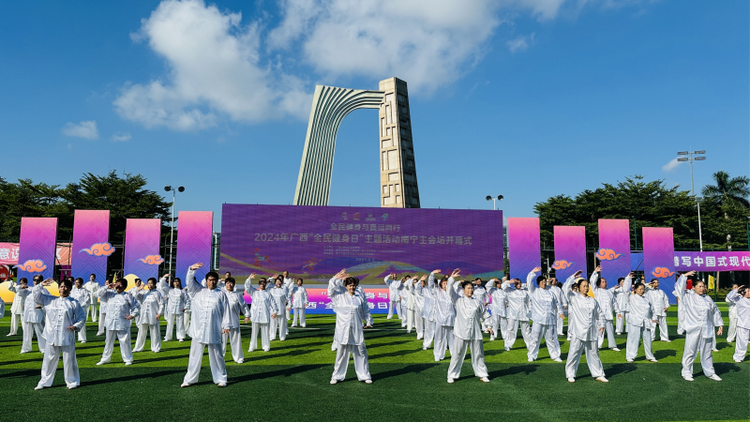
x=524 y=98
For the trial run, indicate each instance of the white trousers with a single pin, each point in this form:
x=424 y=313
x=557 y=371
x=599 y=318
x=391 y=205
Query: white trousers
x=82 y=332
x=609 y=329
x=264 y=337
x=361 y=363
x=215 y=359
x=123 y=336
x=740 y=349
x=288 y=314
x=577 y=346
x=635 y=334
x=732 y=331
x=70 y=365
x=154 y=331
x=93 y=309
x=622 y=323
x=680 y=320
x=550 y=336
x=175 y=322
x=186 y=320
x=443 y=341
x=420 y=324
x=512 y=332
x=14 y=320
x=394 y=304
x=278 y=325
x=695 y=343
x=560 y=322
x=663 y=329
x=458 y=353
x=410 y=319
x=102 y=317
x=499 y=326
x=29 y=328
x=235 y=340
x=429 y=333
x=299 y=312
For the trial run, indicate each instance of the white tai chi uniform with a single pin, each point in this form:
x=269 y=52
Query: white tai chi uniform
x=429 y=311
x=210 y=317
x=60 y=313
x=299 y=303
x=152 y=304
x=544 y=311
x=467 y=330
x=623 y=307
x=446 y=316
x=263 y=306
x=33 y=319
x=175 y=311
x=564 y=302
x=289 y=286
x=351 y=315
x=701 y=316
x=659 y=300
x=418 y=306
x=742 y=306
x=102 y=312
x=188 y=312
x=394 y=295
x=411 y=304
x=16 y=309
x=279 y=324
x=84 y=299
x=680 y=313
x=640 y=323
x=518 y=313
x=498 y=308
x=607 y=303
x=731 y=332
x=236 y=305
x=119 y=307
x=92 y=287
x=587 y=318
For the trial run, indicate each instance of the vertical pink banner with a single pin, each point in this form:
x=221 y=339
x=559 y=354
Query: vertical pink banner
x=142 y=257
x=614 y=249
x=36 y=250
x=570 y=251
x=194 y=237
x=90 y=244
x=658 y=258
x=524 y=246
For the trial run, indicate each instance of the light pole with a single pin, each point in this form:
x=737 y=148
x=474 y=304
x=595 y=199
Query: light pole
x=174 y=191
x=494 y=200
x=690 y=158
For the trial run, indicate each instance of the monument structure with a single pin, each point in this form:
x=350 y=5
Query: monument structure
x=398 y=173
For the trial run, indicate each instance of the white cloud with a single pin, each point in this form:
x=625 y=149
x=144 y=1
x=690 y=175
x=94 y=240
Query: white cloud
x=671 y=165
x=520 y=43
x=86 y=130
x=121 y=136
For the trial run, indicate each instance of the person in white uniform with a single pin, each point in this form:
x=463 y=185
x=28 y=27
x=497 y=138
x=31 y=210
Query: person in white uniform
x=175 y=311
x=152 y=308
x=121 y=307
x=210 y=321
x=498 y=308
x=237 y=304
x=661 y=304
x=64 y=316
x=732 y=331
x=84 y=299
x=623 y=306
x=289 y=285
x=394 y=295
x=554 y=286
x=740 y=297
x=545 y=310
x=411 y=303
x=419 y=305
x=518 y=313
x=701 y=316
x=92 y=286
x=279 y=323
x=299 y=303
x=470 y=315
x=606 y=299
x=351 y=316
x=428 y=293
x=33 y=319
x=262 y=312
x=640 y=321
x=446 y=317
x=188 y=311
x=584 y=327
x=21 y=290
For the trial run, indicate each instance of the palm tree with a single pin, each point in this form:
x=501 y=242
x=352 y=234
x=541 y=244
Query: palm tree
x=736 y=189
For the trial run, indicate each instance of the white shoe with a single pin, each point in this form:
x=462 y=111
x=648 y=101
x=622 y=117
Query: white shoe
x=8 y=335
x=653 y=360
x=615 y=349
x=437 y=360
x=304 y=326
x=630 y=360
x=688 y=378
x=128 y=363
x=250 y=350
x=667 y=341
x=424 y=348
x=714 y=377
x=333 y=382
x=738 y=361
x=368 y=381
x=101 y=362
x=492 y=338
x=184 y=385
x=531 y=360
x=714 y=350
x=38 y=387
x=137 y=351
x=571 y=379
x=266 y=350
x=557 y=360
x=72 y=387
x=83 y=342
x=602 y=379
x=181 y=340
x=451 y=380
x=619 y=334
x=241 y=361
x=484 y=379
x=221 y=384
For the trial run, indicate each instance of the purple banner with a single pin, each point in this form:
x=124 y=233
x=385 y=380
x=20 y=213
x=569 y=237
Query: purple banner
x=658 y=258
x=614 y=249
x=194 y=236
x=316 y=242
x=524 y=245
x=90 y=245
x=142 y=257
x=710 y=261
x=36 y=251
x=570 y=251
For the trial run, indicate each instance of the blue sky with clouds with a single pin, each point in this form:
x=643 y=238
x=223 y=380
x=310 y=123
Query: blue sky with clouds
x=524 y=98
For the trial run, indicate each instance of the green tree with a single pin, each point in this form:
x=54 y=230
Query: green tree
x=726 y=189
x=27 y=199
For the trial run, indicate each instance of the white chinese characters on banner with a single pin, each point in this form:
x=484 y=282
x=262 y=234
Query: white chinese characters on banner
x=712 y=261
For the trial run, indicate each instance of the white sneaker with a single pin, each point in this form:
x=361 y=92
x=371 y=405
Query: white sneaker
x=738 y=361
x=333 y=382
x=653 y=360
x=8 y=335
x=128 y=363
x=241 y=361
x=571 y=379
x=484 y=379
x=368 y=381
x=184 y=385
x=615 y=349
x=630 y=360
x=619 y=334
x=424 y=348
x=181 y=340
x=221 y=384
x=715 y=377
x=531 y=360
x=667 y=341
x=714 y=350
x=72 y=387
x=688 y=378
x=557 y=360
x=38 y=387
x=602 y=379
x=437 y=360
x=101 y=362
x=451 y=380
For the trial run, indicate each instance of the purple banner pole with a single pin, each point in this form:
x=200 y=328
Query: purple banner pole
x=194 y=236
x=658 y=258
x=90 y=244
x=36 y=250
x=614 y=249
x=142 y=257
x=570 y=251
x=524 y=246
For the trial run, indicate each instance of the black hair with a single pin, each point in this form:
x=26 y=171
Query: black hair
x=150 y=279
x=228 y=272
x=176 y=280
x=540 y=279
x=79 y=278
x=741 y=290
x=92 y=275
x=407 y=276
x=351 y=280
x=67 y=282
x=37 y=278
x=230 y=280
x=637 y=285
x=299 y=279
x=620 y=280
x=465 y=283
x=23 y=280
x=213 y=274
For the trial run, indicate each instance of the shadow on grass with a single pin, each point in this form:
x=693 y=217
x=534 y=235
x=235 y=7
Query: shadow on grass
x=620 y=368
x=21 y=374
x=397 y=353
x=726 y=368
x=133 y=377
x=392 y=343
x=661 y=354
x=409 y=369
x=287 y=372
x=512 y=370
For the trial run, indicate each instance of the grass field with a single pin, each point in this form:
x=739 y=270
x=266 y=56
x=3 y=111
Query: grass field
x=291 y=383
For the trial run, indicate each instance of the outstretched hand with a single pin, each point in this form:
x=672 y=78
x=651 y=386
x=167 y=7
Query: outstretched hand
x=48 y=281
x=578 y=273
x=536 y=270
x=456 y=273
x=196 y=266
x=598 y=269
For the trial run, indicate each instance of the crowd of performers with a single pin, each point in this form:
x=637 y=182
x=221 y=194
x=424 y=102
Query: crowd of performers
x=447 y=313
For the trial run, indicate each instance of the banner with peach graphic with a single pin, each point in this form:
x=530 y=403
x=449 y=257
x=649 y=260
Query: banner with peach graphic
x=91 y=244
x=142 y=257
x=658 y=258
x=570 y=251
x=36 y=253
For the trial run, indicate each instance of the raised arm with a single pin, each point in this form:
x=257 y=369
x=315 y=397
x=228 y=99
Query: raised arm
x=681 y=284
x=336 y=284
x=569 y=283
x=39 y=297
x=387 y=279
x=531 y=278
x=193 y=285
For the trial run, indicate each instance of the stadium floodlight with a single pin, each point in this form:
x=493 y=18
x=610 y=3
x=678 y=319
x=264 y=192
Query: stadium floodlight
x=700 y=158
x=700 y=152
x=682 y=153
x=682 y=159
x=494 y=200
x=690 y=157
x=174 y=191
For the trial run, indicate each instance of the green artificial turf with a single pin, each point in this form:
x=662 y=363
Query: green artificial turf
x=291 y=382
